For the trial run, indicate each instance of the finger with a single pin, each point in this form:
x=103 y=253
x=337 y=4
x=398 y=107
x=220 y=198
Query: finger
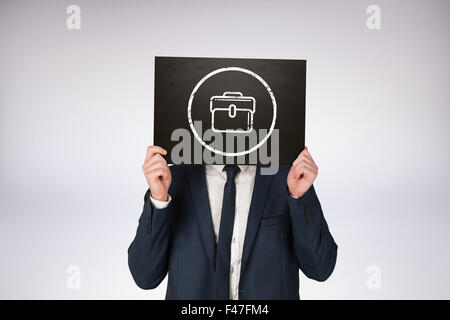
x=155 y=166
x=304 y=173
x=152 y=150
x=156 y=158
x=157 y=173
x=298 y=172
x=301 y=167
x=303 y=157
x=307 y=154
x=153 y=161
x=148 y=166
x=304 y=169
x=308 y=160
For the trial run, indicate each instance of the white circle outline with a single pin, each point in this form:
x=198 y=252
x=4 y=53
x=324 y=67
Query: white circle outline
x=264 y=83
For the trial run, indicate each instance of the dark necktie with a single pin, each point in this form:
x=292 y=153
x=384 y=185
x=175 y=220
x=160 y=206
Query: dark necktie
x=225 y=234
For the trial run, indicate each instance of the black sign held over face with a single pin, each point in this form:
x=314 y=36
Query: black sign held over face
x=230 y=111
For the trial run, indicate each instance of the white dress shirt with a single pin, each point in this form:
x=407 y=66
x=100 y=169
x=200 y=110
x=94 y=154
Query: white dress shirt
x=215 y=182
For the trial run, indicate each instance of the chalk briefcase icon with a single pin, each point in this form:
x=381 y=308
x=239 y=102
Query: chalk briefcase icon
x=232 y=112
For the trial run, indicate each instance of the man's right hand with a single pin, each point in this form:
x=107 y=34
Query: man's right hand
x=157 y=173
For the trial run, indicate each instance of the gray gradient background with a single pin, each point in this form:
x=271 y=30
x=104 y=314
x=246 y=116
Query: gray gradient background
x=76 y=112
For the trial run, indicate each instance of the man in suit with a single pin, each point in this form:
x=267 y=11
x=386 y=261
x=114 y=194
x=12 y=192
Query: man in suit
x=229 y=232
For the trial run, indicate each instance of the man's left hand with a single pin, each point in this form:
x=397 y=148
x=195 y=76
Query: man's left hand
x=302 y=174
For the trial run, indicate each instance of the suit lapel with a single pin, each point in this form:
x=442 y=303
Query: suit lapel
x=259 y=198
x=199 y=193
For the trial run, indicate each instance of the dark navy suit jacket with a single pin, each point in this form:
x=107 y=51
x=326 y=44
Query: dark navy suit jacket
x=283 y=234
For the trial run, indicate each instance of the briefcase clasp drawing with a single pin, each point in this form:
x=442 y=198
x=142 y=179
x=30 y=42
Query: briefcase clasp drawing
x=232 y=112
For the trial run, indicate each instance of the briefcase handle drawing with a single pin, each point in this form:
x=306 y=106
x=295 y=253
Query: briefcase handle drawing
x=233 y=94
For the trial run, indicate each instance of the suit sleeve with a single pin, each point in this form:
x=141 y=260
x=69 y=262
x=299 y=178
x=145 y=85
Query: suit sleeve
x=314 y=245
x=148 y=253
